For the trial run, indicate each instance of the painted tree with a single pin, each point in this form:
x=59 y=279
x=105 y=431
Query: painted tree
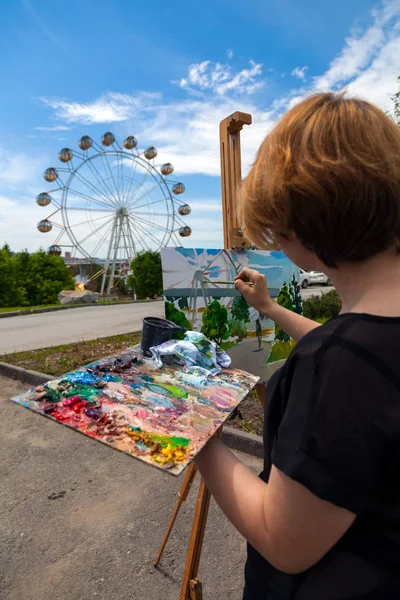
x=215 y=323
x=295 y=293
x=240 y=310
x=284 y=300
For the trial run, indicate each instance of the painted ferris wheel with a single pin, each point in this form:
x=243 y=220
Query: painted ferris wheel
x=112 y=202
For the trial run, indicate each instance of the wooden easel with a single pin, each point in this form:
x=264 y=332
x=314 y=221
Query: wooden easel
x=231 y=176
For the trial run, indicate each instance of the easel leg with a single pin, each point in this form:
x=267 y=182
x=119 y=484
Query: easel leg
x=191 y=587
x=260 y=391
x=182 y=495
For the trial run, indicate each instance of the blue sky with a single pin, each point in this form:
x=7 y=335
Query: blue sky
x=168 y=72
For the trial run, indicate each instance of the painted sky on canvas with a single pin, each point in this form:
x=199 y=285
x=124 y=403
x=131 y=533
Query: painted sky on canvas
x=168 y=73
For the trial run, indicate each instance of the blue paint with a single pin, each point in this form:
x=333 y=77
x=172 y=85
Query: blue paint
x=160 y=401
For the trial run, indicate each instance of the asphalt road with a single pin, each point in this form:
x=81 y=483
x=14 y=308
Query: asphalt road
x=79 y=520
x=42 y=330
x=315 y=290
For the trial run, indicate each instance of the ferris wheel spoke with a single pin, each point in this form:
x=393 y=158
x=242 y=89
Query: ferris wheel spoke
x=120 y=173
x=101 y=181
x=107 y=199
x=108 y=210
x=140 y=239
x=134 y=213
x=146 y=193
x=103 y=239
x=147 y=233
x=147 y=222
x=131 y=178
x=149 y=203
x=88 y=220
x=137 y=188
x=112 y=177
x=89 y=199
x=89 y=235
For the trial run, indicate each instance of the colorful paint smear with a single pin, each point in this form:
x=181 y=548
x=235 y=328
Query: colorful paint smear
x=163 y=416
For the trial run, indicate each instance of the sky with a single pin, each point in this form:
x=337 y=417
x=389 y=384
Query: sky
x=168 y=73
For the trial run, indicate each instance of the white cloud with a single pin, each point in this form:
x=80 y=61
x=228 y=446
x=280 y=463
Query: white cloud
x=361 y=47
x=229 y=53
x=221 y=79
x=299 y=72
x=18 y=219
x=53 y=128
x=18 y=170
x=110 y=107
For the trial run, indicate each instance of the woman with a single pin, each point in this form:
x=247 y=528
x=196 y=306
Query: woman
x=323 y=519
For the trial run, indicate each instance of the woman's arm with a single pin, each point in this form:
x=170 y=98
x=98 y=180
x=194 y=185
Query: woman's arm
x=288 y=525
x=258 y=296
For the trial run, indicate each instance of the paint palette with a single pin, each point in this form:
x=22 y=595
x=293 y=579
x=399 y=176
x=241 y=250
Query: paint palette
x=163 y=417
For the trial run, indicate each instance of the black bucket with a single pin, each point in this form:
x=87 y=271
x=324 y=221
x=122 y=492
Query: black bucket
x=156 y=331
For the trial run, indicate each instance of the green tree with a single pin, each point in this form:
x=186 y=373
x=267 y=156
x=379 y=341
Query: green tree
x=284 y=300
x=43 y=276
x=12 y=292
x=146 y=278
x=215 y=323
x=6 y=248
x=396 y=100
x=238 y=329
x=176 y=316
x=295 y=294
x=240 y=309
x=322 y=307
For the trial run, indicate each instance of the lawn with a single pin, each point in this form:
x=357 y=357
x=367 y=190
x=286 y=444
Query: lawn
x=58 y=360
x=64 y=306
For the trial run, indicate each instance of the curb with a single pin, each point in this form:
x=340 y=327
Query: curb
x=23 y=375
x=243 y=441
x=233 y=438
x=33 y=311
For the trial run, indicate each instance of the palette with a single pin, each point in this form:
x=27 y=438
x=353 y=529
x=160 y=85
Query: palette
x=163 y=417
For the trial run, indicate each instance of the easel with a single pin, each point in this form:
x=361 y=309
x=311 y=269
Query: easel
x=231 y=176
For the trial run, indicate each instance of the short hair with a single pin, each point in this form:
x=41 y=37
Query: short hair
x=330 y=173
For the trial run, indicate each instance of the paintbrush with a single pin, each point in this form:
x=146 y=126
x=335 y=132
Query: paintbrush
x=250 y=283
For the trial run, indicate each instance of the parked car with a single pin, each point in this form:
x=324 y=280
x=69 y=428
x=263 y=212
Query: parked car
x=313 y=278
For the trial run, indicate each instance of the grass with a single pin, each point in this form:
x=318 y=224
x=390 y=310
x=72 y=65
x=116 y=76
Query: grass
x=31 y=308
x=58 y=360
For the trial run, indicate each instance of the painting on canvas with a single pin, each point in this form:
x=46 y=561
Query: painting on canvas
x=162 y=416
x=198 y=295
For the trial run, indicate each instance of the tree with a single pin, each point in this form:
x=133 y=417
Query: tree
x=12 y=292
x=284 y=300
x=215 y=323
x=295 y=294
x=240 y=309
x=396 y=100
x=146 y=278
x=6 y=248
x=43 y=276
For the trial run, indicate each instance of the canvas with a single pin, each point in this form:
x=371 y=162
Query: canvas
x=162 y=416
x=197 y=296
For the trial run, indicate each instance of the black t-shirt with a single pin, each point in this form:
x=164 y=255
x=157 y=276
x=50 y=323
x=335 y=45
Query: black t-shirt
x=332 y=423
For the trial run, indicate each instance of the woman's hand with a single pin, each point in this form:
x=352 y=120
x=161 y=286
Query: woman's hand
x=255 y=290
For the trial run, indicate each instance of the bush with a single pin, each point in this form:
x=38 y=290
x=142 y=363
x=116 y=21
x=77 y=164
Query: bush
x=322 y=307
x=146 y=278
x=32 y=279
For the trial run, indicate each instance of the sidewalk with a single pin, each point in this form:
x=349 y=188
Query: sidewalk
x=80 y=520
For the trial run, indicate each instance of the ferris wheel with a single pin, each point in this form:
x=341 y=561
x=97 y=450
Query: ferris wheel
x=114 y=202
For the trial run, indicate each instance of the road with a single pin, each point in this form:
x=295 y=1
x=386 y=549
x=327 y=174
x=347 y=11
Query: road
x=80 y=520
x=315 y=290
x=42 y=330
